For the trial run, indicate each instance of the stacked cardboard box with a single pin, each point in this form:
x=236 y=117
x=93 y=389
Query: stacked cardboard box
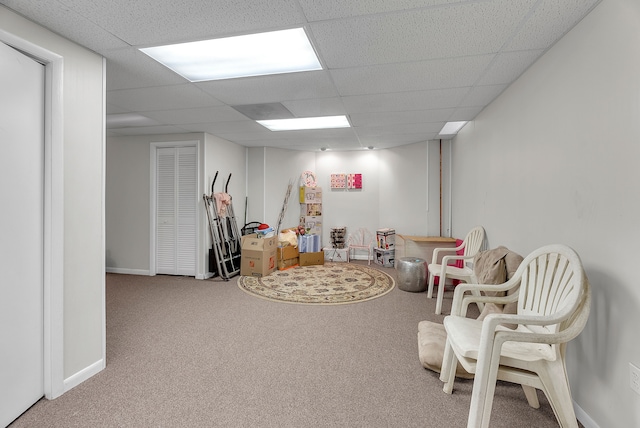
x=384 y=253
x=315 y=258
x=288 y=257
x=258 y=256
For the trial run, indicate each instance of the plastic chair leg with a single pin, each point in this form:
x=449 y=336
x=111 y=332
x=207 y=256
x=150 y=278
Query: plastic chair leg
x=556 y=386
x=532 y=396
x=440 y=297
x=430 y=289
x=448 y=370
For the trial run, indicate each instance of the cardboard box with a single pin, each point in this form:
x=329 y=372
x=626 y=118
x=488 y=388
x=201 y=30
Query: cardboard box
x=384 y=258
x=287 y=252
x=310 y=195
x=335 y=255
x=313 y=209
x=258 y=256
x=309 y=259
x=288 y=263
x=287 y=257
x=386 y=239
x=313 y=224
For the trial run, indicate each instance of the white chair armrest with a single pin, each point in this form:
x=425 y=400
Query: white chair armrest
x=475 y=289
x=447 y=259
x=436 y=251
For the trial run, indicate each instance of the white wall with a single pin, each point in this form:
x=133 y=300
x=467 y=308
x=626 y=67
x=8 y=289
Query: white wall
x=128 y=186
x=555 y=160
x=226 y=158
x=400 y=187
x=81 y=194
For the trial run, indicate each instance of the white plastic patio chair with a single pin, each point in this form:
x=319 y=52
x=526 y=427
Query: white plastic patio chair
x=553 y=304
x=361 y=239
x=472 y=244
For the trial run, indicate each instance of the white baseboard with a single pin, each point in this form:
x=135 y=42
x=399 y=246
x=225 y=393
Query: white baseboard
x=84 y=374
x=128 y=271
x=583 y=417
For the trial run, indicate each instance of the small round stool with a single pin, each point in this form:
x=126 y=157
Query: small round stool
x=412 y=274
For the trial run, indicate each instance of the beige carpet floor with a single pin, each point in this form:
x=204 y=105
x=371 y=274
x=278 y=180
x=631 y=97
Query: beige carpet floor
x=190 y=353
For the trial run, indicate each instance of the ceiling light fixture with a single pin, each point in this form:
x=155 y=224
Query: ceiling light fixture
x=452 y=128
x=323 y=122
x=285 y=51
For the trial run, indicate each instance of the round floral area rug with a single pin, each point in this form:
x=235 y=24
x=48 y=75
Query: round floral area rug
x=331 y=283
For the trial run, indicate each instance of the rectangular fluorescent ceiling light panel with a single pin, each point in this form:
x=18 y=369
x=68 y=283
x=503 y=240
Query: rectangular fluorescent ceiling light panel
x=452 y=128
x=285 y=51
x=297 y=124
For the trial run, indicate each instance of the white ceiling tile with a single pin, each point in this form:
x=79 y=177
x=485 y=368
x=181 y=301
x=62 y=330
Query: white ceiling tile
x=312 y=107
x=396 y=68
x=482 y=95
x=508 y=66
x=130 y=68
x=411 y=128
x=320 y=11
x=111 y=109
x=148 y=130
x=550 y=20
x=150 y=22
x=396 y=140
x=460 y=30
x=248 y=137
x=412 y=76
x=161 y=98
x=465 y=113
x=225 y=127
x=399 y=117
x=404 y=101
x=275 y=88
x=67 y=22
x=196 y=115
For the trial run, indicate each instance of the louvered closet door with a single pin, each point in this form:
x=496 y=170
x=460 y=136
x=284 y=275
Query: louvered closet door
x=176 y=169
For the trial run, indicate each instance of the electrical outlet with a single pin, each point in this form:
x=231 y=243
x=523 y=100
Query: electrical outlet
x=634 y=381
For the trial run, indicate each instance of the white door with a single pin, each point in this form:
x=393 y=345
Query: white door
x=176 y=204
x=21 y=232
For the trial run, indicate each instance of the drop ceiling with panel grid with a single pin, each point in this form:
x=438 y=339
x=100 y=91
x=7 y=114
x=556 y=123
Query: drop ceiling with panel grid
x=399 y=69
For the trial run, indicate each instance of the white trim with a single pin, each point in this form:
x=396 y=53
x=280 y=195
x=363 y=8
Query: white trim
x=84 y=374
x=583 y=417
x=103 y=202
x=198 y=144
x=53 y=213
x=126 y=271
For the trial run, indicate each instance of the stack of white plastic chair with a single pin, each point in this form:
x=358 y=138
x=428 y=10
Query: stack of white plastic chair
x=527 y=347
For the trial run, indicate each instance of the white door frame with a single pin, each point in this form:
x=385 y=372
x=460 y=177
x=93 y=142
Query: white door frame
x=152 y=198
x=53 y=213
